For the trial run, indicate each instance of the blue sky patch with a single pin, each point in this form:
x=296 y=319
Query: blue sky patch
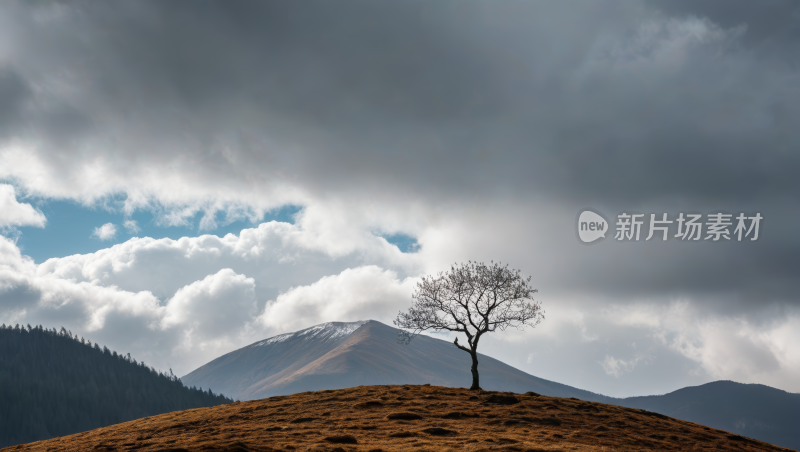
x=404 y=242
x=70 y=227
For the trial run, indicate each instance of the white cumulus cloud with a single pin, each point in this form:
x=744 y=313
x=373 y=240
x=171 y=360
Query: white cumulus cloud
x=105 y=232
x=362 y=293
x=217 y=304
x=181 y=303
x=14 y=213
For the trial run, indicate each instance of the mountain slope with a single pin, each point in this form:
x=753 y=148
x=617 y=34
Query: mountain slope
x=340 y=355
x=52 y=384
x=751 y=410
x=243 y=372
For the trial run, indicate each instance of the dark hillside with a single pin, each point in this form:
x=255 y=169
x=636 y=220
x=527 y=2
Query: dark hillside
x=752 y=410
x=54 y=384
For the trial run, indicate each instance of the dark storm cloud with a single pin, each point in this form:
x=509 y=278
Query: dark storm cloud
x=13 y=93
x=771 y=24
x=585 y=103
x=307 y=60
x=478 y=98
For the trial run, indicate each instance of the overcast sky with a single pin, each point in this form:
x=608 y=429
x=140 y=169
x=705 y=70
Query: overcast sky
x=180 y=179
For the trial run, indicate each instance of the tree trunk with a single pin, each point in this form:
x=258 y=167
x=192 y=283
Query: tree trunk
x=475 y=380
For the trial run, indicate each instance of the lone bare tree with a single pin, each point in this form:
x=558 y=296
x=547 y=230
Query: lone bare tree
x=472 y=298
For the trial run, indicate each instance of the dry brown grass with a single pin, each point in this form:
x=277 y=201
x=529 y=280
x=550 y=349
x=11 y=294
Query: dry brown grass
x=367 y=418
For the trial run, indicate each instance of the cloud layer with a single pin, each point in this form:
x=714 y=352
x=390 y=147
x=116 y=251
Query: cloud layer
x=481 y=131
x=181 y=303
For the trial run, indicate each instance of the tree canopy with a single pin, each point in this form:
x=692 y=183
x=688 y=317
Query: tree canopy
x=471 y=298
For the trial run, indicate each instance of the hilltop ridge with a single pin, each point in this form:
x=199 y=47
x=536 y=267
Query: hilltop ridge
x=406 y=418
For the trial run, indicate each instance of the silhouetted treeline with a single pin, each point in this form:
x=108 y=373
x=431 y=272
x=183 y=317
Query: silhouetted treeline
x=55 y=384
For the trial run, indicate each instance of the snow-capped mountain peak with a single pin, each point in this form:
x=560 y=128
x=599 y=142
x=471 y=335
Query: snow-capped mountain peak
x=323 y=331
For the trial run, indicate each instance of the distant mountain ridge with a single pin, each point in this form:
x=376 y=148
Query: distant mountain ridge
x=752 y=410
x=346 y=354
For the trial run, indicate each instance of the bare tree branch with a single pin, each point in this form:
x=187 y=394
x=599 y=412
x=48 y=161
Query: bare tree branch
x=472 y=298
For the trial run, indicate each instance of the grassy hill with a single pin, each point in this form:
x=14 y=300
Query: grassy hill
x=406 y=418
